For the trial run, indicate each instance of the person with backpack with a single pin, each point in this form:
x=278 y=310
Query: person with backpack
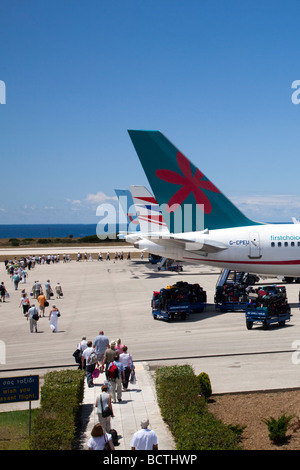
x=91 y=362
x=116 y=376
x=109 y=356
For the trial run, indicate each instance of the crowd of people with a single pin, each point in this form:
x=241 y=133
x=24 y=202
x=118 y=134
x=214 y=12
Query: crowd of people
x=115 y=362
x=100 y=356
x=117 y=256
x=35 y=302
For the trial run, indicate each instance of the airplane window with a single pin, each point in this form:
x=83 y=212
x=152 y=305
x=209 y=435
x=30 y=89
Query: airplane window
x=286 y=244
x=292 y=243
x=279 y=243
x=298 y=243
x=272 y=244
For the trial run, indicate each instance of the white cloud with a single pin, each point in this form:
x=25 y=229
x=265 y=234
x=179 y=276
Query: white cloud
x=270 y=208
x=73 y=201
x=99 y=198
x=275 y=200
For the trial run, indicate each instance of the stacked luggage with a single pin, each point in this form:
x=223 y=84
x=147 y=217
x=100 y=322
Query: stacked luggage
x=272 y=298
x=179 y=299
x=231 y=290
x=266 y=305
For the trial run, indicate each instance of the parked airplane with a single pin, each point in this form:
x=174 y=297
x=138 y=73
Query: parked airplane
x=203 y=225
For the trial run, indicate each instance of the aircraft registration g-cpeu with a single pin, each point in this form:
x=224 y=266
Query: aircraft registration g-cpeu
x=203 y=225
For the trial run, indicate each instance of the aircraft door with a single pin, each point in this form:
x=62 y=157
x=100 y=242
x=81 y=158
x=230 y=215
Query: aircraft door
x=254 y=245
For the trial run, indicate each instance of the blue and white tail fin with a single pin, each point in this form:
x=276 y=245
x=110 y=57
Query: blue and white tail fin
x=148 y=211
x=128 y=220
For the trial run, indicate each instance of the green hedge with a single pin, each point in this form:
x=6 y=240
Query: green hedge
x=54 y=427
x=186 y=413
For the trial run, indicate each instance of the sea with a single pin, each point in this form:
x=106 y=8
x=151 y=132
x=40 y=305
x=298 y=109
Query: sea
x=47 y=230
x=57 y=230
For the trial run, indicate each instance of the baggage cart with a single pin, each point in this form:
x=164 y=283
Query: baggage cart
x=263 y=316
x=178 y=311
x=178 y=301
x=171 y=312
x=231 y=306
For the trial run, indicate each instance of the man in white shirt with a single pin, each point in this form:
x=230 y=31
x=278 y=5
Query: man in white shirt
x=89 y=367
x=144 y=439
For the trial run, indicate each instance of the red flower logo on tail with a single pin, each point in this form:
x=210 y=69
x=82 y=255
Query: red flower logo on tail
x=189 y=183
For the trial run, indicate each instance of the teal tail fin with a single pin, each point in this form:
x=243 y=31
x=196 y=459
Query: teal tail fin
x=188 y=200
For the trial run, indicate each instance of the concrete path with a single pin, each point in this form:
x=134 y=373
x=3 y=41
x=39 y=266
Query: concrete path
x=137 y=403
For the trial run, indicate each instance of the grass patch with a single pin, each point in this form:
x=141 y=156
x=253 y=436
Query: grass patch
x=14 y=430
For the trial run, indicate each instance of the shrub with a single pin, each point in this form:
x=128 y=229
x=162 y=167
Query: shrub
x=43 y=241
x=185 y=411
x=14 y=241
x=89 y=239
x=55 y=424
x=278 y=428
x=205 y=385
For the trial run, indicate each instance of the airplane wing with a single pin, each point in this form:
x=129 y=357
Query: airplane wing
x=203 y=246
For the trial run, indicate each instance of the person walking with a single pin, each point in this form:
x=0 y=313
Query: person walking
x=24 y=276
x=144 y=439
x=116 y=377
x=33 y=316
x=90 y=365
x=100 y=439
x=2 y=291
x=58 y=291
x=16 y=279
x=48 y=289
x=37 y=289
x=25 y=302
x=42 y=304
x=104 y=408
x=119 y=345
x=100 y=344
x=80 y=348
x=109 y=356
x=53 y=318
x=126 y=360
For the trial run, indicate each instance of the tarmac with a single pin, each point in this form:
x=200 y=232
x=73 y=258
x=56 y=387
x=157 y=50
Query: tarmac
x=138 y=402
x=115 y=297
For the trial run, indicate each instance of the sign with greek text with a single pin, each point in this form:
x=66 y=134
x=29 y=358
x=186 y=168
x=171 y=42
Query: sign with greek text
x=15 y=389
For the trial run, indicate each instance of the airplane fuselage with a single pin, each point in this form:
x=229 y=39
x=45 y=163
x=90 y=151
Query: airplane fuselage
x=271 y=249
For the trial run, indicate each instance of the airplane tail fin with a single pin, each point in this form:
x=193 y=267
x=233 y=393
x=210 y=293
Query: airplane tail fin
x=148 y=211
x=126 y=204
x=189 y=201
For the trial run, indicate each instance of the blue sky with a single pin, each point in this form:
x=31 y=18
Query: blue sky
x=214 y=76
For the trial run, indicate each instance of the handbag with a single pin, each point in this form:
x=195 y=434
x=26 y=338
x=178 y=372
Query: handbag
x=95 y=373
x=106 y=445
x=132 y=377
x=106 y=412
